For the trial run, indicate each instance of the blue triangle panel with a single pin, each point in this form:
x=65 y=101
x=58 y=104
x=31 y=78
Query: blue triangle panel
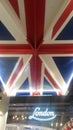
x=4 y=33
x=49 y=93
x=47 y=85
x=23 y=94
x=65 y=66
x=7 y=65
x=25 y=85
x=67 y=32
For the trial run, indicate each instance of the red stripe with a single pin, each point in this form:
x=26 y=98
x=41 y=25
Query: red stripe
x=52 y=81
x=67 y=128
x=35 y=70
x=29 y=12
x=16 y=72
x=40 y=21
x=35 y=12
x=16 y=49
x=63 y=18
x=43 y=49
x=36 y=93
x=56 y=49
x=14 y=4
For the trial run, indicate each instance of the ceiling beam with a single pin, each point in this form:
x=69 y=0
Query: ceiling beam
x=16 y=49
x=35 y=72
x=55 y=49
x=35 y=13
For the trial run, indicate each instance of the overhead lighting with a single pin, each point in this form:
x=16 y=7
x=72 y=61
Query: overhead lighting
x=1 y=114
x=56 y=124
x=52 y=124
x=17 y=118
x=61 y=124
x=22 y=116
x=69 y=80
x=25 y=117
x=13 y=117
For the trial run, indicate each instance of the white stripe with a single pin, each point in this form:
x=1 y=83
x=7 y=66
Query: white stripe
x=63 y=26
x=54 y=72
x=22 y=14
x=21 y=76
x=11 y=21
x=53 y=11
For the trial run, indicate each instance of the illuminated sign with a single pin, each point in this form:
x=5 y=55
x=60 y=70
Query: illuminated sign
x=42 y=115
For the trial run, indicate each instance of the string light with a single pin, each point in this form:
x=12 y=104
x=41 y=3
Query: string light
x=52 y=124
x=56 y=124
x=61 y=124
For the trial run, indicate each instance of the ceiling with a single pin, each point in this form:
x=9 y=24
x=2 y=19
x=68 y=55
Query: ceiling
x=36 y=47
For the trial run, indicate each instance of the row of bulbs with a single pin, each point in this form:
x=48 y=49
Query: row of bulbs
x=22 y=118
x=57 y=124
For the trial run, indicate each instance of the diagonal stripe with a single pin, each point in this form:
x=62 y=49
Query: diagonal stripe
x=15 y=73
x=51 y=11
x=67 y=128
x=54 y=72
x=14 y=4
x=63 y=17
x=22 y=14
x=54 y=84
x=22 y=75
x=11 y=21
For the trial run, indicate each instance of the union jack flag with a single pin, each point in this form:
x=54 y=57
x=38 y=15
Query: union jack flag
x=36 y=47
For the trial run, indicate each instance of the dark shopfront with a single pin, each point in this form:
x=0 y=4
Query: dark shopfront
x=40 y=113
